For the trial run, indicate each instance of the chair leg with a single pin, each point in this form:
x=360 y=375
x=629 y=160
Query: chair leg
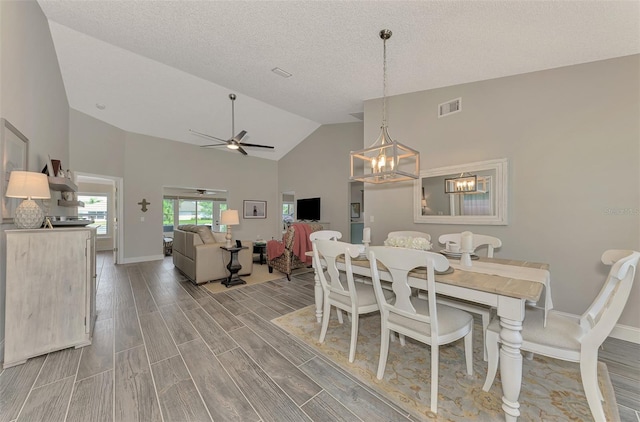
x=589 y=374
x=434 y=377
x=468 y=351
x=339 y=314
x=354 y=336
x=384 y=350
x=402 y=341
x=493 y=356
x=486 y=319
x=326 y=314
x=289 y=277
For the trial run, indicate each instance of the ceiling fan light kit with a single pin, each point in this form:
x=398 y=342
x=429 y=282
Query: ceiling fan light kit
x=235 y=142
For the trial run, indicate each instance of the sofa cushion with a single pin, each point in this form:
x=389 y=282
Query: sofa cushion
x=205 y=234
x=219 y=237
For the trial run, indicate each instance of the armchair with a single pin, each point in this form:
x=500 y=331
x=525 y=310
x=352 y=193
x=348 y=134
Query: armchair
x=289 y=253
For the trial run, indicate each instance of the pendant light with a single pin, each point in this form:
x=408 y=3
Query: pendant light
x=386 y=160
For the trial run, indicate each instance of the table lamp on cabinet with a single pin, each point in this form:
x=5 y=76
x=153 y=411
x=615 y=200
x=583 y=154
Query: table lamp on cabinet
x=28 y=185
x=229 y=218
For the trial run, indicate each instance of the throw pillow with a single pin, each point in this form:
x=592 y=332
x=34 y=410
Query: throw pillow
x=219 y=237
x=206 y=235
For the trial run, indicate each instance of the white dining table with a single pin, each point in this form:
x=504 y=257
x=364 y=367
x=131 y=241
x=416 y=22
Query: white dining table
x=507 y=294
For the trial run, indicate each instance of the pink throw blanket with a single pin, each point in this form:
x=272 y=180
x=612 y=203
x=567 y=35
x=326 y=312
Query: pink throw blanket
x=275 y=248
x=301 y=242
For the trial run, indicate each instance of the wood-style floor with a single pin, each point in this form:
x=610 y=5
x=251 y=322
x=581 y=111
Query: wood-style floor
x=166 y=350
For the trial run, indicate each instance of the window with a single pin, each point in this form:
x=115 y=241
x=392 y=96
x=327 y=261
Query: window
x=96 y=208
x=176 y=212
x=287 y=213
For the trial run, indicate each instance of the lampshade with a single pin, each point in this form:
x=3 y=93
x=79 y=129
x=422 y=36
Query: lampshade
x=385 y=160
x=28 y=184
x=230 y=218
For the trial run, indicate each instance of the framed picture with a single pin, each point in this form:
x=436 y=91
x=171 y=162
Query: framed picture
x=355 y=210
x=255 y=209
x=14 y=150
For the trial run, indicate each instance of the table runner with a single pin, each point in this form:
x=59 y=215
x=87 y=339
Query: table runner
x=513 y=271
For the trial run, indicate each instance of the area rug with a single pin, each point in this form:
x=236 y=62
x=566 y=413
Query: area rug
x=259 y=274
x=551 y=389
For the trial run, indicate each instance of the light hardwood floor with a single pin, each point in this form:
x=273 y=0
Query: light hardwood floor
x=166 y=350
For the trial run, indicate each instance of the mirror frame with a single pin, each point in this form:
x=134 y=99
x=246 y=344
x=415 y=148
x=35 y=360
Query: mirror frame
x=500 y=190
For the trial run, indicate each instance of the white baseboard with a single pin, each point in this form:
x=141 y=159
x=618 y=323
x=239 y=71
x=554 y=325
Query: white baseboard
x=137 y=259
x=621 y=332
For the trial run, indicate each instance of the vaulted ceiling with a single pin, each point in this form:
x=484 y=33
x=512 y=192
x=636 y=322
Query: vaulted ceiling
x=161 y=68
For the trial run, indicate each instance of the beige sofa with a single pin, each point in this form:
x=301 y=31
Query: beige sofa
x=197 y=254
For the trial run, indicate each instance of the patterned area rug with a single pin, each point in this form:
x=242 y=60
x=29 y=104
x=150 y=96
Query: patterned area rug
x=551 y=389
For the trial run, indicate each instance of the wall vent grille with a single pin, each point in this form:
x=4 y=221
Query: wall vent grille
x=450 y=107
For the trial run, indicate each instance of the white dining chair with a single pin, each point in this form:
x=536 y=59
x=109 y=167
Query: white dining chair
x=409 y=233
x=328 y=235
x=411 y=316
x=484 y=311
x=351 y=297
x=325 y=234
x=478 y=241
x=575 y=341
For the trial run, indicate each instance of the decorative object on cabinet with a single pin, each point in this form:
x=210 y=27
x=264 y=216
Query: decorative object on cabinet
x=143 y=205
x=385 y=160
x=14 y=150
x=229 y=218
x=29 y=186
x=254 y=209
x=50 y=291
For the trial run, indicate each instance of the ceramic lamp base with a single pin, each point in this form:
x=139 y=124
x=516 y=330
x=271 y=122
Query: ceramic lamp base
x=28 y=215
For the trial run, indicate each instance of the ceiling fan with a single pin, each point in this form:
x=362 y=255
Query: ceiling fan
x=235 y=142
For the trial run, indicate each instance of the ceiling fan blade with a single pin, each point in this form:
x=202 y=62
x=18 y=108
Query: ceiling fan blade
x=242 y=151
x=244 y=144
x=213 y=145
x=207 y=136
x=239 y=137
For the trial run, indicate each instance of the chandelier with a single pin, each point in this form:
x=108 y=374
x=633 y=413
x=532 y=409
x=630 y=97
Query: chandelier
x=385 y=160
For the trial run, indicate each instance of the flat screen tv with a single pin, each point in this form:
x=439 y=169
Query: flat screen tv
x=308 y=209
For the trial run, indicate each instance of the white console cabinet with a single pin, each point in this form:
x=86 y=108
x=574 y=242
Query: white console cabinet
x=51 y=290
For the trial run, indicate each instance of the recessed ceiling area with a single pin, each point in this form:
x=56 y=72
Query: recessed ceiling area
x=161 y=68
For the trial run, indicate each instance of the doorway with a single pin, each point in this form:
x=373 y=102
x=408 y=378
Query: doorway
x=356 y=211
x=109 y=188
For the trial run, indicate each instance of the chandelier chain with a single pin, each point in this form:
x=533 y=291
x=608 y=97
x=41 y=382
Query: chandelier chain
x=384 y=82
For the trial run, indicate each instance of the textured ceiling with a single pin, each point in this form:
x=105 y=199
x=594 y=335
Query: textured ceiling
x=163 y=67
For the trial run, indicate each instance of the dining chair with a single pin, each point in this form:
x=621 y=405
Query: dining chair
x=409 y=233
x=351 y=297
x=420 y=319
x=328 y=235
x=484 y=311
x=325 y=234
x=478 y=240
x=575 y=341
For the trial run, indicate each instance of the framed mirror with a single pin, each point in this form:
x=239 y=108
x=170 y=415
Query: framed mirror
x=479 y=194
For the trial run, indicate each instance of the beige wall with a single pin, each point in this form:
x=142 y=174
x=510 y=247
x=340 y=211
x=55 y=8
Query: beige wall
x=319 y=167
x=32 y=96
x=147 y=164
x=572 y=138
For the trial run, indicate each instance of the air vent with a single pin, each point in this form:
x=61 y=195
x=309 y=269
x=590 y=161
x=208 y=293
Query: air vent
x=450 y=107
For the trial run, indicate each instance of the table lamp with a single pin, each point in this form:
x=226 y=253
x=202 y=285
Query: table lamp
x=229 y=218
x=28 y=185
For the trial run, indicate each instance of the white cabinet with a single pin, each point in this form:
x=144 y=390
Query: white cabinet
x=51 y=290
